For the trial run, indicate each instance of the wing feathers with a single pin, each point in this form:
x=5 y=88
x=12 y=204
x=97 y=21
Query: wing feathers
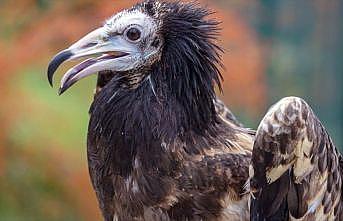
x=296 y=169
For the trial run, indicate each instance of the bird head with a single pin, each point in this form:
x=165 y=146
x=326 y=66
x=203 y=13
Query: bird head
x=175 y=38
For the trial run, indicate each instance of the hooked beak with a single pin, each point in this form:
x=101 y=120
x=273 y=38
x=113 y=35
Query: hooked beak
x=103 y=54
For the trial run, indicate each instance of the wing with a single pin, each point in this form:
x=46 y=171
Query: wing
x=296 y=172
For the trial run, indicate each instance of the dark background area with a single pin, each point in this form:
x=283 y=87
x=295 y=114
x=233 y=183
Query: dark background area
x=273 y=49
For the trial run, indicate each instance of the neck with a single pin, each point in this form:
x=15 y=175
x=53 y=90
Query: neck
x=188 y=99
x=158 y=98
x=138 y=122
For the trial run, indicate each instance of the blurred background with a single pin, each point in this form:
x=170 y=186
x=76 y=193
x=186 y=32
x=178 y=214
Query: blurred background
x=273 y=48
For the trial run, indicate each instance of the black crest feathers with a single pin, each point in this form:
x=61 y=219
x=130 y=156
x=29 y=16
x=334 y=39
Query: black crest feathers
x=190 y=57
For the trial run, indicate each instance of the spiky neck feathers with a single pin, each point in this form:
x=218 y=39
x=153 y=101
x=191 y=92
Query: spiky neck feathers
x=186 y=72
x=189 y=62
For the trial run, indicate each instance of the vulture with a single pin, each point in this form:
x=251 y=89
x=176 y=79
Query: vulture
x=161 y=146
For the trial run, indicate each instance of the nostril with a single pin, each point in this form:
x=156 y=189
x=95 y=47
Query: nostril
x=91 y=44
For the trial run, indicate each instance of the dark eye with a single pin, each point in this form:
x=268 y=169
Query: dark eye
x=133 y=34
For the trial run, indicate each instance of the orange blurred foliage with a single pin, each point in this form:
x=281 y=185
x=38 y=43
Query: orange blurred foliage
x=244 y=82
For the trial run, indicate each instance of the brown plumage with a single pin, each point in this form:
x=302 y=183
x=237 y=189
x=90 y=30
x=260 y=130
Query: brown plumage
x=162 y=147
x=206 y=182
x=204 y=178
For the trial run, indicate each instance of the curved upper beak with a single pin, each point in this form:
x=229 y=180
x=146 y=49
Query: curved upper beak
x=93 y=45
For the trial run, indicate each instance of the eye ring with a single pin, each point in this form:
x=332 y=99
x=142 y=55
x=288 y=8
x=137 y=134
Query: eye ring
x=133 y=34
